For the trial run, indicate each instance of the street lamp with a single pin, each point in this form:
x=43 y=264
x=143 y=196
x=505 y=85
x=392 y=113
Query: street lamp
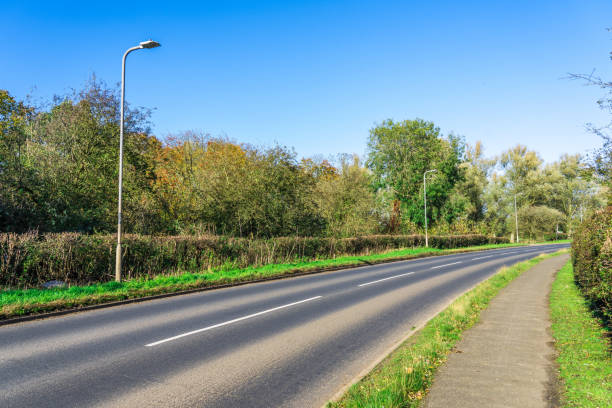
x=142 y=45
x=516 y=219
x=425 y=203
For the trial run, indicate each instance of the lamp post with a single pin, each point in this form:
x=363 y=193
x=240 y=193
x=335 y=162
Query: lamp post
x=144 y=44
x=425 y=203
x=516 y=219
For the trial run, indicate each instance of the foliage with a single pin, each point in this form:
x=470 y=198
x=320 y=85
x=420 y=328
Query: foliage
x=67 y=170
x=29 y=260
x=475 y=169
x=235 y=190
x=556 y=195
x=539 y=221
x=346 y=202
x=569 y=191
x=17 y=180
x=58 y=173
x=600 y=162
x=592 y=259
x=400 y=153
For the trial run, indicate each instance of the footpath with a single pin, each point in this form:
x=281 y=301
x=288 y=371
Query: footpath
x=507 y=358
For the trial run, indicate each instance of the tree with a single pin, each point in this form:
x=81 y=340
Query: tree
x=398 y=155
x=215 y=185
x=601 y=159
x=58 y=166
x=538 y=222
x=346 y=201
x=523 y=174
x=468 y=193
x=18 y=181
x=497 y=205
x=570 y=191
x=75 y=148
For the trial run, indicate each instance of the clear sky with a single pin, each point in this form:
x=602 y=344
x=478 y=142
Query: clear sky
x=317 y=75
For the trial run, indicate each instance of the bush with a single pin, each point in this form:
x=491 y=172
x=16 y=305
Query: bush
x=560 y=236
x=592 y=259
x=538 y=222
x=28 y=260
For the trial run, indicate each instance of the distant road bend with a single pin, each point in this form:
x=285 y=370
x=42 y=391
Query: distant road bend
x=292 y=342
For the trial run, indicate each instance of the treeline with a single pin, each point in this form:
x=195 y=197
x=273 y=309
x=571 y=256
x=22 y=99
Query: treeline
x=58 y=172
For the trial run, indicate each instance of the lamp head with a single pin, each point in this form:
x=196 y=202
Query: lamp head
x=149 y=44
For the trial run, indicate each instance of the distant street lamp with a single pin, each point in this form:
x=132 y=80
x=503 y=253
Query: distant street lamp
x=425 y=202
x=145 y=44
x=516 y=219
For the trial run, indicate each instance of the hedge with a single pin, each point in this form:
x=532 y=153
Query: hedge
x=592 y=259
x=29 y=260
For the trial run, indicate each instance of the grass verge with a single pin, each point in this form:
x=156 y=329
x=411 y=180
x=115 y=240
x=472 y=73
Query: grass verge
x=31 y=301
x=403 y=378
x=585 y=363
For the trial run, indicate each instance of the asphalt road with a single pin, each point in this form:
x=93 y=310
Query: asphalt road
x=292 y=342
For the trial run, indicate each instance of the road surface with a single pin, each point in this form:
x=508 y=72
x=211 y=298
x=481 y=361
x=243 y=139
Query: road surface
x=292 y=342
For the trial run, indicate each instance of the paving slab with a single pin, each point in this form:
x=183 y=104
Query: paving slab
x=507 y=358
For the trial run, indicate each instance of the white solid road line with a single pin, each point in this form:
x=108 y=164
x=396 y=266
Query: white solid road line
x=380 y=280
x=231 y=321
x=441 y=266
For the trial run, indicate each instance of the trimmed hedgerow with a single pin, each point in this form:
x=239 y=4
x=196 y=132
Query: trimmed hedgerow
x=28 y=260
x=592 y=259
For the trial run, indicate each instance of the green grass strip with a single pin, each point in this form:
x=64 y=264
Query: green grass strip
x=30 y=301
x=403 y=378
x=585 y=363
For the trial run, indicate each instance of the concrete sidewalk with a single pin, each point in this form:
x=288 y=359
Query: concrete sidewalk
x=506 y=359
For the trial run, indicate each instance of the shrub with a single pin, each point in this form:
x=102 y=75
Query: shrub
x=538 y=222
x=28 y=260
x=592 y=259
x=559 y=236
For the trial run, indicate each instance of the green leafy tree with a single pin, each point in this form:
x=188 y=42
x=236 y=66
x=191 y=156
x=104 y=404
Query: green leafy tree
x=572 y=192
x=346 y=200
x=498 y=208
x=214 y=185
x=18 y=180
x=538 y=222
x=73 y=150
x=398 y=155
x=524 y=176
x=466 y=206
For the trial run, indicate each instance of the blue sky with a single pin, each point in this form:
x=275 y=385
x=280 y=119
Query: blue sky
x=317 y=75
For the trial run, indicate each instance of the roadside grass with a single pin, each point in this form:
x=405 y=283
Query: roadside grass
x=585 y=360
x=404 y=377
x=30 y=301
